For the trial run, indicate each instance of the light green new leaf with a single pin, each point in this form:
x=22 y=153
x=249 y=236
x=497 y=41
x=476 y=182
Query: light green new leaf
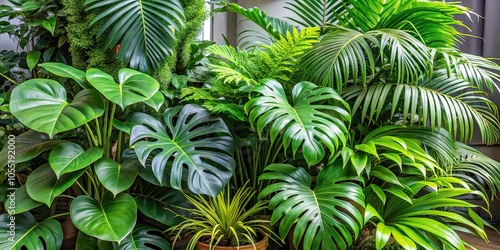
x=133 y=86
x=196 y=141
x=32 y=58
x=50 y=24
x=143 y=238
x=43 y=186
x=116 y=177
x=41 y=105
x=306 y=123
x=67 y=71
x=112 y=219
x=69 y=157
x=30 y=234
x=145 y=29
x=156 y=101
x=313 y=210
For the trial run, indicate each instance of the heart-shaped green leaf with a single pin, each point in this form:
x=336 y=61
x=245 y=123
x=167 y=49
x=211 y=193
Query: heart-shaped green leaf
x=156 y=101
x=28 y=145
x=67 y=71
x=22 y=201
x=69 y=157
x=43 y=186
x=142 y=238
x=114 y=176
x=112 y=219
x=85 y=242
x=29 y=234
x=32 y=58
x=50 y=24
x=41 y=105
x=134 y=86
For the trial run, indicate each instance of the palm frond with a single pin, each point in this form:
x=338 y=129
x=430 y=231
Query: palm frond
x=442 y=101
x=145 y=29
x=477 y=169
x=313 y=13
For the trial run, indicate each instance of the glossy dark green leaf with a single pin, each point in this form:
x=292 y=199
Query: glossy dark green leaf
x=153 y=201
x=312 y=209
x=196 y=141
x=43 y=186
x=306 y=123
x=42 y=105
x=133 y=86
x=116 y=177
x=22 y=202
x=85 y=242
x=144 y=237
x=69 y=157
x=112 y=219
x=32 y=58
x=67 y=71
x=28 y=146
x=145 y=30
x=30 y=234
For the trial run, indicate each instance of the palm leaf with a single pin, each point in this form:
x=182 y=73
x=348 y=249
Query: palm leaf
x=314 y=211
x=306 y=122
x=313 y=13
x=145 y=29
x=444 y=100
x=194 y=140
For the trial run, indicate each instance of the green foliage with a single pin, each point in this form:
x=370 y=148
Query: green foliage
x=225 y=220
x=195 y=13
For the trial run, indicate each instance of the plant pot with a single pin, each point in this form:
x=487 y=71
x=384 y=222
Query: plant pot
x=261 y=245
x=70 y=232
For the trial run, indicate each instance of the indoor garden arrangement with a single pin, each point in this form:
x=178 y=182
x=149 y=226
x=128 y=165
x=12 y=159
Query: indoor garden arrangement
x=349 y=118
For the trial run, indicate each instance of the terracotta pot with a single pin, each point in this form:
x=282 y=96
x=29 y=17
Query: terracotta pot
x=261 y=245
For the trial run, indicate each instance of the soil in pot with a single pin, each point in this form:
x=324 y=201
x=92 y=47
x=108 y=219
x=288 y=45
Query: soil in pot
x=260 y=245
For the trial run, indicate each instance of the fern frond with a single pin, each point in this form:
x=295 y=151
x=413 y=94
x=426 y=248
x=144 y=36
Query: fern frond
x=281 y=58
x=233 y=65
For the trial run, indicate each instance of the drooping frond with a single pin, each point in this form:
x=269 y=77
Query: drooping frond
x=345 y=55
x=442 y=101
x=273 y=26
x=145 y=29
x=477 y=70
x=282 y=57
x=232 y=65
x=314 y=13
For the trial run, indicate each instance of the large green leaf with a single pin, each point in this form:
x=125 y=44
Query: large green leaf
x=32 y=58
x=69 y=157
x=133 y=86
x=152 y=201
x=317 y=13
x=116 y=177
x=143 y=238
x=67 y=71
x=145 y=29
x=41 y=105
x=85 y=242
x=19 y=201
x=196 y=141
x=319 y=224
x=307 y=122
x=30 y=234
x=43 y=185
x=112 y=219
x=28 y=145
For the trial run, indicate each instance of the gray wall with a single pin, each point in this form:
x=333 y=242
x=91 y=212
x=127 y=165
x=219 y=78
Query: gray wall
x=6 y=43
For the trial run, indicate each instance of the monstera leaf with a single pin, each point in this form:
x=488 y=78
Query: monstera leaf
x=30 y=234
x=111 y=219
x=194 y=140
x=41 y=105
x=314 y=212
x=142 y=238
x=307 y=122
x=133 y=86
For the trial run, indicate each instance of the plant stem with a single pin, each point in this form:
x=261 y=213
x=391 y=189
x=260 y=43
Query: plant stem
x=83 y=189
x=9 y=79
x=119 y=147
x=57 y=215
x=109 y=128
x=91 y=176
x=98 y=129
x=66 y=196
x=89 y=131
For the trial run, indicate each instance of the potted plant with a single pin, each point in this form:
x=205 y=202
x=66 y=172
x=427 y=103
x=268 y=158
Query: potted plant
x=224 y=221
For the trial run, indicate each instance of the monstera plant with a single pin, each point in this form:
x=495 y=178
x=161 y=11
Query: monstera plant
x=95 y=157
